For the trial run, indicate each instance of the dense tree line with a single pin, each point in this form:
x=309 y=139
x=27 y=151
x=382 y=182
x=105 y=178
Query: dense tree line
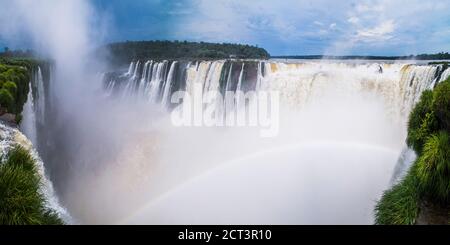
x=439 y=56
x=125 y=52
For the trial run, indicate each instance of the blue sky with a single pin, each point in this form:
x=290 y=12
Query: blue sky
x=363 y=27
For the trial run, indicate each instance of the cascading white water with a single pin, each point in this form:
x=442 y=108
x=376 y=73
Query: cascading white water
x=33 y=116
x=400 y=85
x=34 y=108
x=28 y=124
x=167 y=84
x=342 y=132
x=40 y=100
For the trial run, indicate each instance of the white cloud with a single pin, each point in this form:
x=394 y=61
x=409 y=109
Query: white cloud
x=369 y=7
x=382 y=32
x=318 y=23
x=353 y=20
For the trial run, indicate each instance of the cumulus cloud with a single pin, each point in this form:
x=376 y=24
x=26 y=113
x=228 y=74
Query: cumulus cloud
x=321 y=26
x=381 y=32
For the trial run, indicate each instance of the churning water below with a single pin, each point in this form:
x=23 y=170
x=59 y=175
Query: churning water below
x=342 y=131
x=314 y=183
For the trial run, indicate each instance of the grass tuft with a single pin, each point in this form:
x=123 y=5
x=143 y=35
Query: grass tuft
x=21 y=202
x=399 y=205
x=433 y=168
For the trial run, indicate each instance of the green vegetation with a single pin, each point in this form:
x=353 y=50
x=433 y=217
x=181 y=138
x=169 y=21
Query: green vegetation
x=433 y=167
x=441 y=105
x=21 y=202
x=438 y=56
x=429 y=177
x=121 y=53
x=400 y=205
x=14 y=79
x=422 y=122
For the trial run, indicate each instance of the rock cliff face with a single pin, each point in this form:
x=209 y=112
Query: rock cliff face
x=8 y=118
x=433 y=214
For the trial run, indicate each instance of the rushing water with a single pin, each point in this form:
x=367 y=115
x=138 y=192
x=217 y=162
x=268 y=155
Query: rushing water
x=342 y=133
x=399 y=84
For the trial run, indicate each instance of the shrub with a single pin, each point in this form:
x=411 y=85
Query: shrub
x=11 y=87
x=433 y=167
x=21 y=202
x=441 y=104
x=6 y=100
x=422 y=122
x=399 y=205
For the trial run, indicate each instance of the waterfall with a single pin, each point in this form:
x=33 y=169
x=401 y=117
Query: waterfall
x=340 y=143
x=407 y=158
x=168 y=83
x=241 y=75
x=33 y=117
x=34 y=108
x=40 y=96
x=400 y=85
x=28 y=124
x=299 y=83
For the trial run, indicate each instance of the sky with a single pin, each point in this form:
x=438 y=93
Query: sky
x=282 y=27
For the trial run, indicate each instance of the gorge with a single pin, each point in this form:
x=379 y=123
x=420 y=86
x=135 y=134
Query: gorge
x=353 y=114
x=350 y=141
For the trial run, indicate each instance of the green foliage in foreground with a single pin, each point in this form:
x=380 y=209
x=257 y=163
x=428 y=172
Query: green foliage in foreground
x=433 y=167
x=429 y=177
x=422 y=122
x=399 y=205
x=21 y=202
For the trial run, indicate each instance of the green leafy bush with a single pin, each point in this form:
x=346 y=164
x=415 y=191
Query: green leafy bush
x=11 y=87
x=441 y=104
x=21 y=202
x=6 y=100
x=422 y=122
